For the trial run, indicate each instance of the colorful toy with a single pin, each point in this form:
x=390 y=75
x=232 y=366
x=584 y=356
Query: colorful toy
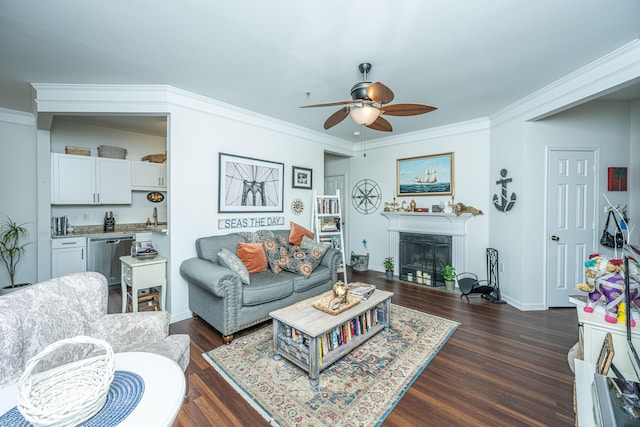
x=604 y=279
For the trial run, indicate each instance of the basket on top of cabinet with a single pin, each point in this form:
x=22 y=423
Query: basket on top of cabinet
x=112 y=152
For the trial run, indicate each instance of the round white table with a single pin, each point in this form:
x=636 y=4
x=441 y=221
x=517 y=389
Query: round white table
x=164 y=389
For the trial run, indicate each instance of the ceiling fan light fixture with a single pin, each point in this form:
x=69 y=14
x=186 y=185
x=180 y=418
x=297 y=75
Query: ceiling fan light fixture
x=365 y=115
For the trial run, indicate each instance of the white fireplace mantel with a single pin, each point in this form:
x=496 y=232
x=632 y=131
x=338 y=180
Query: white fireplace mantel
x=447 y=224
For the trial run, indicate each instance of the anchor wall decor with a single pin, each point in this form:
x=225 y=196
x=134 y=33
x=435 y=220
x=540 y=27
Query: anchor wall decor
x=501 y=202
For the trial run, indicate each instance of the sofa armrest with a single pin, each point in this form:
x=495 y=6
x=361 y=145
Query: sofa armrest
x=123 y=329
x=210 y=276
x=332 y=258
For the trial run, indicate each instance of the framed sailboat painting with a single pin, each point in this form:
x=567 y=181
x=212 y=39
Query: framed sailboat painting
x=425 y=176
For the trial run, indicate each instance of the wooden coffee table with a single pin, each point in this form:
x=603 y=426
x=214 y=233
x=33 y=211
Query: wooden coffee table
x=313 y=339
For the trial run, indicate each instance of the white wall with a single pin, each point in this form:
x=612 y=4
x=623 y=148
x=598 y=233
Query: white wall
x=471 y=177
x=506 y=228
x=520 y=147
x=198 y=133
x=18 y=175
x=598 y=124
x=517 y=144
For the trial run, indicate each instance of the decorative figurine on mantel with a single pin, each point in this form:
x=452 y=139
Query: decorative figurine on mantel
x=460 y=208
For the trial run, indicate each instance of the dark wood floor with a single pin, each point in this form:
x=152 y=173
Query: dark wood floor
x=502 y=367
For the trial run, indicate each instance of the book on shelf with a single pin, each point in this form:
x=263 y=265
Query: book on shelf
x=344 y=333
x=329 y=226
x=326 y=205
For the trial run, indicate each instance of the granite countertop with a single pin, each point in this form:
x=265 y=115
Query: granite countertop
x=98 y=230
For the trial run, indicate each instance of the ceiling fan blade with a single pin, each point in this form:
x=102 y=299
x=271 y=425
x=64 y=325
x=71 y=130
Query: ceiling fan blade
x=329 y=104
x=406 y=109
x=379 y=93
x=381 y=125
x=336 y=117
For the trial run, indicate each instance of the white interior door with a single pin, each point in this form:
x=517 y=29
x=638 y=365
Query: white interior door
x=571 y=235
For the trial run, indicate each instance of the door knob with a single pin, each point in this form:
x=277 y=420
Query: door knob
x=555 y=238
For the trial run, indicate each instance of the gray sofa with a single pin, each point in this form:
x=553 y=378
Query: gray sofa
x=33 y=317
x=218 y=296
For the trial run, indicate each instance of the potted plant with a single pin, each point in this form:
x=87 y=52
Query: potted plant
x=11 y=247
x=449 y=276
x=388 y=266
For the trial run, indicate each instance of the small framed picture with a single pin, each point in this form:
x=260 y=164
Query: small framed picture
x=606 y=355
x=336 y=243
x=301 y=177
x=617 y=179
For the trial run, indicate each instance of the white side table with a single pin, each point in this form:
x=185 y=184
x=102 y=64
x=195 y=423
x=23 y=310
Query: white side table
x=164 y=389
x=142 y=274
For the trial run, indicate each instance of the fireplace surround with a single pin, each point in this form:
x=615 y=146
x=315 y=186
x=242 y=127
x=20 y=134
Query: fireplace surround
x=447 y=225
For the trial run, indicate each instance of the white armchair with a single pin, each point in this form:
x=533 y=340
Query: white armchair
x=76 y=304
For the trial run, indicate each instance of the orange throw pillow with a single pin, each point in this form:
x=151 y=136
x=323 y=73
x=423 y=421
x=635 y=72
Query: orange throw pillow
x=296 y=233
x=252 y=256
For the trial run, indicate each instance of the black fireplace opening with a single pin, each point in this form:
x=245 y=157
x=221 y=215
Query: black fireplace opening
x=423 y=257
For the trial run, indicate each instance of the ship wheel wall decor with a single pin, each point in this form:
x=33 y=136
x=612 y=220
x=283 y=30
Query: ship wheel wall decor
x=366 y=196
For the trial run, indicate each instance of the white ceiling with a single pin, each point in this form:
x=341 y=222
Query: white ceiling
x=469 y=58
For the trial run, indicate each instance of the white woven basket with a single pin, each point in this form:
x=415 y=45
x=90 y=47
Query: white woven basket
x=69 y=394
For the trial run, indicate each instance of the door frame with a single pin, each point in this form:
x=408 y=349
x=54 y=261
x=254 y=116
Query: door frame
x=596 y=216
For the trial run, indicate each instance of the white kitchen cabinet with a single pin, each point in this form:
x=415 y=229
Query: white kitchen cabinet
x=148 y=176
x=68 y=255
x=85 y=180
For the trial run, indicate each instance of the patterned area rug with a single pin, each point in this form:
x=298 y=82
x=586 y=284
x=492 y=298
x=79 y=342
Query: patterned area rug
x=360 y=389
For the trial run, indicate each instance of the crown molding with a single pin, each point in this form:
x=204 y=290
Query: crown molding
x=596 y=79
x=77 y=99
x=202 y=103
x=17 y=117
x=474 y=125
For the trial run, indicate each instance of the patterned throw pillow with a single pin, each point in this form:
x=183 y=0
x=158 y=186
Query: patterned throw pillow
x=303 y=261
x=230 y=260
x=252 y=256
x=308 y=243
x=277 y=251
x=256 y=236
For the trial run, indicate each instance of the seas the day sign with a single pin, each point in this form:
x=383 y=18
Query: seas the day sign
x=229 y=223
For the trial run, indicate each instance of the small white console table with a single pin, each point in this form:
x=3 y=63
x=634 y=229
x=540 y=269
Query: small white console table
x=142 y=274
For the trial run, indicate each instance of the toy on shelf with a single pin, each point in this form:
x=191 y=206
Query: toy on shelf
x=604 y=279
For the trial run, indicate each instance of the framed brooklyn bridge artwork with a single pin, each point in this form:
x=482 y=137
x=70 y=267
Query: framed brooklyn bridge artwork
x=249 y=185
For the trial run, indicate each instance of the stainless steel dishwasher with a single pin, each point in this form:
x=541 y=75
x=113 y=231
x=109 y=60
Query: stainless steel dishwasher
x=104 y=252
